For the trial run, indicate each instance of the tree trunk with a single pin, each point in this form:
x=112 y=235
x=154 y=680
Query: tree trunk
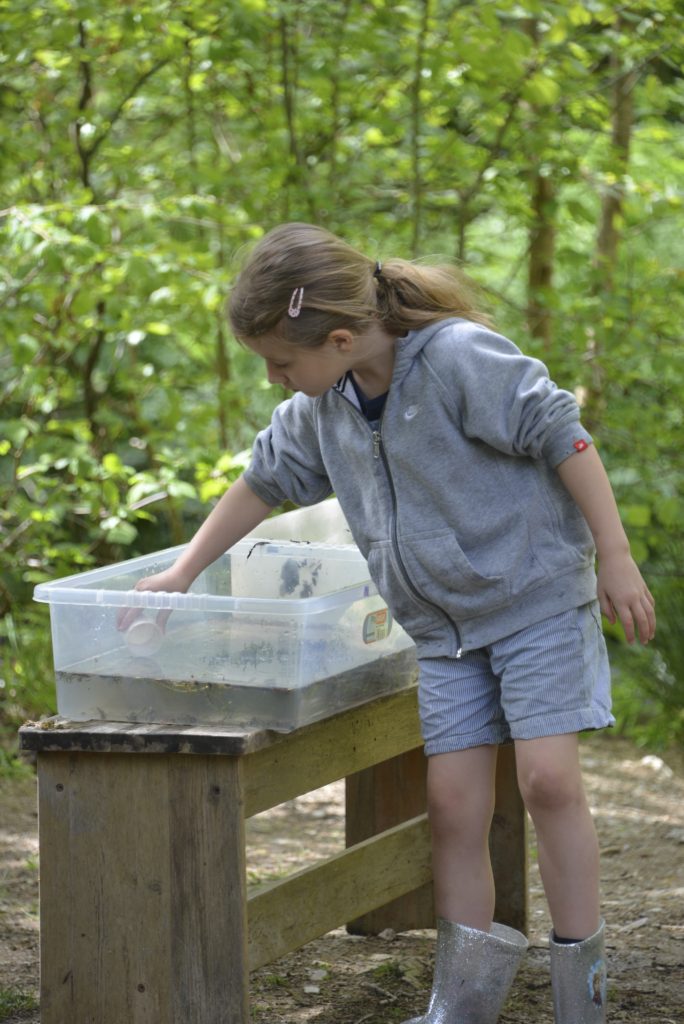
x=611 y=207
x=336 y=80
x=541 y=249
x=608 y=239
x=416 y=125
x=297 y=171
x=540 y=264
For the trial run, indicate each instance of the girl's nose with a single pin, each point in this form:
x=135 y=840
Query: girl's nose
x=274 y=375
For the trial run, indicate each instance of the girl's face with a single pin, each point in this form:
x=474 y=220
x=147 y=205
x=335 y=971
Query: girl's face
x=311 y=370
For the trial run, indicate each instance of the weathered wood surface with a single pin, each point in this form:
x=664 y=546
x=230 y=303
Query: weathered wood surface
x=284 y=915
x=387 y=793
x=332 y=749
x=58 y=733
x=143 y=905
x=508 y=845
x=378 y=798
x=144 y=912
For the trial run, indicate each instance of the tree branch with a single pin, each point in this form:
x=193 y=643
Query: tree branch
x=83 y=102
x=416 y=111
x=118 y=110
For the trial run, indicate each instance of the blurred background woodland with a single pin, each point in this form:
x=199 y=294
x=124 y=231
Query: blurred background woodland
x=146 y=145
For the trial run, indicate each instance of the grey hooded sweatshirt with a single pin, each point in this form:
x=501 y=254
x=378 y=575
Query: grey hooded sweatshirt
x=454 y=500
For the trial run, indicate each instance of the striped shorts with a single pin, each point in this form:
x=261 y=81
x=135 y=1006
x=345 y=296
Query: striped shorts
x=550 y=678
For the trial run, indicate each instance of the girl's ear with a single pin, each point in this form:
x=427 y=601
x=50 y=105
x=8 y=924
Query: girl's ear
x=341 y=339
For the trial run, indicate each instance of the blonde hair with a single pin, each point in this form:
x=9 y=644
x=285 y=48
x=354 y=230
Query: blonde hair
x=342 y=288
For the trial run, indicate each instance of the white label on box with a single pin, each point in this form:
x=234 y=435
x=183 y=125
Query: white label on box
x=377 y=626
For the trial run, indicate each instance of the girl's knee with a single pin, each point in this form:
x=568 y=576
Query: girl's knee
x=549 y=773
x=457 y=808
x=549 y=787
x=460 y=792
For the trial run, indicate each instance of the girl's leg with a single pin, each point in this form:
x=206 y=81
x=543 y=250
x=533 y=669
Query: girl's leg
x=475 y=960
x=551 y=785
x=461 y=805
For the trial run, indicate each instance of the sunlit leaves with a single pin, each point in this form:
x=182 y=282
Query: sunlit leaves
x=147 y=144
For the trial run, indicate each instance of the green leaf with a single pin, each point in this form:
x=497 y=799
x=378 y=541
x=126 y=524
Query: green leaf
x=157 y=327
x=639 y=550
x=579 y=15
x=670 y=511
x=181 y=489
x=637 y=515
x=212 y=488
x=558 y=32
x=120 y=532
x=541 y=91
x=112 y=464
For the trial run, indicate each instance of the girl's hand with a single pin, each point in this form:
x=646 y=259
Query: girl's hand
x=624 y=595
x=238 y=512
x=169 y=581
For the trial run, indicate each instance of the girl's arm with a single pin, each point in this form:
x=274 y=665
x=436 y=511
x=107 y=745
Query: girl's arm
x=238 y=511
x=622 y=591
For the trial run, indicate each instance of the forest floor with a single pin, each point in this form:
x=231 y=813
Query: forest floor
x=638 y=803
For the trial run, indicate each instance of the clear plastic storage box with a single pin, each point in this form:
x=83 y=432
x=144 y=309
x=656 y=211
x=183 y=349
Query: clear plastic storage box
x=282 y=630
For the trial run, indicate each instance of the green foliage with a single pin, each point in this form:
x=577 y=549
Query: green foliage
x=12 y=766
x=146 y=145
x=389 y=971
x=648 y=687
x=647 y=700
x=13 y=999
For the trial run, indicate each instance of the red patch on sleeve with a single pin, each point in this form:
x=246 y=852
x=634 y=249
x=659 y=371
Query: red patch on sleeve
x=580 y=446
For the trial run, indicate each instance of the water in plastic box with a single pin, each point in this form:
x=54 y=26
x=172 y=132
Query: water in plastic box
x=246 y=670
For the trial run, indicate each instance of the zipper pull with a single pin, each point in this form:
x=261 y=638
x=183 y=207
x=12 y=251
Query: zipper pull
x=376 y=444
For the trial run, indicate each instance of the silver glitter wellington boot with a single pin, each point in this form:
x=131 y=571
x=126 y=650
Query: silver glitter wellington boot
x=578 y=979
x=473 y=972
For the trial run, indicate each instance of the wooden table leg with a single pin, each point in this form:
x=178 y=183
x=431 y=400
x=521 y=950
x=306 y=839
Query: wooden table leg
x=380 y=797
x=143 y=901
x=508 y=844
x=377 y=799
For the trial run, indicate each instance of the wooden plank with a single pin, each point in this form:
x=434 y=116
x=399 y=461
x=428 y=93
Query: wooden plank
x=331 y=749
x=208 y=935
x=104 y=891
x=57 y=979
x=58 y=733
x=508 y=845
x=62 y=734
x=285 y=915
x=377 y=799
x=142 y=890
x=374 y=801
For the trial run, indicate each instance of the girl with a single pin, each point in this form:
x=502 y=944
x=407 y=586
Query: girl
x=480 y=503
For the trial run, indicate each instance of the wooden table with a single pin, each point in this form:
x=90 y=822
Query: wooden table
x=144 y=911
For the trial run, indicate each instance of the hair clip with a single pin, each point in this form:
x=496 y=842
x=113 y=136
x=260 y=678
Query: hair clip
x=378 y=269
x=295 y=307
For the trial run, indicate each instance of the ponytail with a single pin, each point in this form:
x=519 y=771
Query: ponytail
x=411 y=296
x=301 y=282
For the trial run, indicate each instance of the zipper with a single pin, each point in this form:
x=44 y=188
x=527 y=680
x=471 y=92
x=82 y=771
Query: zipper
x=377 y=438
x=397 y=551
x=379 y=453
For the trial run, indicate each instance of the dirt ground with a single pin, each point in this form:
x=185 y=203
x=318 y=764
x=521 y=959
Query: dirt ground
x=638 y=802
